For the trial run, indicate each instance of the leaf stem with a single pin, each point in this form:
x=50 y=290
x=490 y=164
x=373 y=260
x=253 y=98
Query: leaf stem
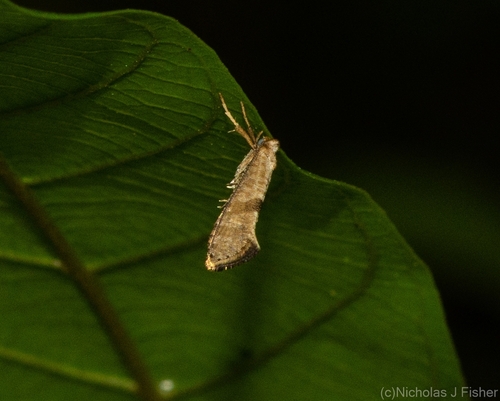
x=87 y=283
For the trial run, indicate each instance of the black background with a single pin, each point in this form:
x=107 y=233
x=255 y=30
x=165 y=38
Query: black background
x=391 y=96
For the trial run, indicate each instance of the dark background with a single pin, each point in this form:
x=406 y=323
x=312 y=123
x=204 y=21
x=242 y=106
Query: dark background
x=400 y=98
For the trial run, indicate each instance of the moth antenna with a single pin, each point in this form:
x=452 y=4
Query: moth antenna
x=250 y=130
x=258 y=136
x=249 y=136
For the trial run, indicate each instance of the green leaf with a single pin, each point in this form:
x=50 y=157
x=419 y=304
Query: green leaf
x=115 y=152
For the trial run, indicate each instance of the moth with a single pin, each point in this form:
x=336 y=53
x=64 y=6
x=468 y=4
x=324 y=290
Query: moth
x=233 y=240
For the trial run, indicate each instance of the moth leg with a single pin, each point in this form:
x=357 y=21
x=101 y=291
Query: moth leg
x=222 y=200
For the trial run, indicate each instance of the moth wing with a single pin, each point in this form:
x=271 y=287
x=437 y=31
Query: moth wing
x=240 y=170
x=233 y=240
x=227 y=255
